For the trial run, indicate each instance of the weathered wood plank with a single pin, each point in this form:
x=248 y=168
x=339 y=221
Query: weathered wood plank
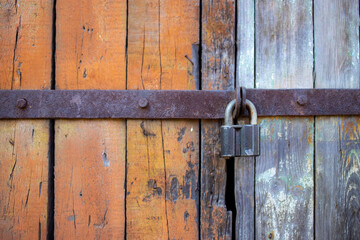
x=244 y=196
x=162 y=175
x=24 y=179
x=337 y=138
x=165 y=206
x=90 y=155
x=245 y=42
x=284 y=171
x=26 y=34
x=89 y=179
x=284 y=181
x=337 y=178
x=218 y=44
x=91 y=44
x=336 y=43
x=25 y=59
x=218 y=63
x=245 y=167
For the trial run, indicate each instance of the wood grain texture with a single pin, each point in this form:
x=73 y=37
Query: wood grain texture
x=336 y=43
x=244 y=197
x=90 y=155
x=163 y=160
x=245 y=43
x=284 y=181
x=337 y=178
x=215 y=220
x=284 y=171
x=91 y=44
x=245 y=167
x=218 y=73
x=89 y=179
x=25 y=40
x=218 y=44
x=166 y=157
x=24 y=179
x=25 y=57
x=337 y=138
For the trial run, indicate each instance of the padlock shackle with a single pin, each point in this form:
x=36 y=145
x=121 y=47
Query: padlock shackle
x=230 y=108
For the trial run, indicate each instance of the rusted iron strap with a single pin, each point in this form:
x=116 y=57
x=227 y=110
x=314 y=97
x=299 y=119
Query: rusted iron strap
x=148 y=104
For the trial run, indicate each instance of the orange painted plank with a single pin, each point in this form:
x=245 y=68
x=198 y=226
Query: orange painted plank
x=90 y=155
x=25 y=40
x=162 y=179
x=25 y=59
x=90 y=44
x=162 y=191
x=89 y=187
x=23 y=179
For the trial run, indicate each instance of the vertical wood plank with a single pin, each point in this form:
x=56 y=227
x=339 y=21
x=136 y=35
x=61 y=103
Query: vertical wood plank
x=25 y=57
x=90 y=44
x=218 y=63
x=245 y=68
x=245 y=167
x=24 y=179
x=89 y=179
x=284 y=171
x=90 y=155
x=162 y=175
x=337 y=138
x=26 y=34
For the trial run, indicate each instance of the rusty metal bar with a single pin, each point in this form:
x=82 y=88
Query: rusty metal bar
x=148 y=104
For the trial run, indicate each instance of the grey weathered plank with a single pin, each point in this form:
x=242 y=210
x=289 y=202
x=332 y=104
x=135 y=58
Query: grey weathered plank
x=244 y=196
x=245 y=167
x=284 y=181
x=218 y=62
x=337 y=178
x=245 y=43
x=337 y=138
x=284 y=171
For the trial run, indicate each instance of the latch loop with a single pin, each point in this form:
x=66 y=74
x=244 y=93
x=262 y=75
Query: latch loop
x=230 y=108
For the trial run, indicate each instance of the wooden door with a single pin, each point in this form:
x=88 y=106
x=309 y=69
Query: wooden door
x=164 y=179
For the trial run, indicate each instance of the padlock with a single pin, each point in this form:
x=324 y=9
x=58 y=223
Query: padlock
x=240 y=140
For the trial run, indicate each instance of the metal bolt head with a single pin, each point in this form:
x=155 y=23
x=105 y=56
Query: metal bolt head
x=143 y=102
x=301 y=100
x=21 y=103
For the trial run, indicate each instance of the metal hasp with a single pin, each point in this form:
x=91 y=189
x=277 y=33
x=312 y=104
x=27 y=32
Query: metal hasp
x=164 y=104
x=240 y=140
